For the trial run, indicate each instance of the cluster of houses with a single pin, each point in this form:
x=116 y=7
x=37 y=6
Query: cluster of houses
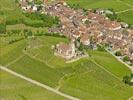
x=91 y=28
x=31 y=6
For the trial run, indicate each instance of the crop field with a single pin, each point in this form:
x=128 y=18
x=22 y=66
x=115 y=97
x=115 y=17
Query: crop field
x=127 y=16
x=14 y=88
x=117 y=5
x=9 y=11
x=128 y=1
x=23 y=27
x=110 y=63
x=96 y=77
x=84 y=79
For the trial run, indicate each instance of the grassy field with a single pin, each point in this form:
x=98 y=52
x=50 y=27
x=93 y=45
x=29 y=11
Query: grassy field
x=128 y=1
x=83 y=79
x=127 y=16
x=10 y=11
x=110 y=63
x=98 y=77
x=14 y=88
x=117 y=5
x=24 y=27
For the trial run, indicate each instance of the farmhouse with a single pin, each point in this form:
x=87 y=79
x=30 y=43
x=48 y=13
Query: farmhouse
x=64 y=50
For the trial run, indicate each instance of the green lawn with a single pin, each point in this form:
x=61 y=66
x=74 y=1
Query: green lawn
x=83 y=79
x=14 y=88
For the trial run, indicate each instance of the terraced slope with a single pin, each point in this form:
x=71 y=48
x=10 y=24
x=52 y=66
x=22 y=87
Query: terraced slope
x=92 y=77
x=14 y=88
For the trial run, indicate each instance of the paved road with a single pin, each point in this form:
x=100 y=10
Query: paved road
x=130 y=67
x=38 y=83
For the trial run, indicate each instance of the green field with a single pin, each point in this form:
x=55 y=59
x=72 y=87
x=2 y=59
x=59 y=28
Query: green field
x=117 y=5
x=96 y=77
x=9 y=11
x=14 y=88
x=127 y=16
x=128 y=1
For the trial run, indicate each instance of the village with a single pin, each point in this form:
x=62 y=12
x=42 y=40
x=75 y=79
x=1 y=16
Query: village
x=66 y=49
x=88 y=28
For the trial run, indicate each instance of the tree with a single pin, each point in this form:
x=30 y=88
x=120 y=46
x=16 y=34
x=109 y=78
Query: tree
x=127 y=79
x=81 y=47
x=2 y=28
x=113 y=16
x=29 y=33
x=126 y=58
x=100 y=48
x=118 y=53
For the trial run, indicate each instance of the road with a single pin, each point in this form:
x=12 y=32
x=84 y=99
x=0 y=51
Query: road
x=38 y=83
x=130 y=67
x=124 y=11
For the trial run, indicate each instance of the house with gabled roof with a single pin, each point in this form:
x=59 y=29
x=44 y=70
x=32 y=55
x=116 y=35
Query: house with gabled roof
x=112 y=25
x=85 y=39
x=65 y=50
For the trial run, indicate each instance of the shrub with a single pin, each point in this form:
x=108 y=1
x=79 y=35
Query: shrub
x=15 y=40
x=100 y=48
x=2 y=28
x=13 y=21
x=127 y=79
x=15 y=31
x=112 y=17
x=118 y=53
x=54 y=35
x=40 y=20
x=34 y=23
x=126 y=58
x=29 y=33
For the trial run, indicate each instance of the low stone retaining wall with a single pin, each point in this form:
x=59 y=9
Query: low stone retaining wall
x=77 y=58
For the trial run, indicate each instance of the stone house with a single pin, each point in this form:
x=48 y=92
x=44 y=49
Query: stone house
x=64 y=50
x=85 y=39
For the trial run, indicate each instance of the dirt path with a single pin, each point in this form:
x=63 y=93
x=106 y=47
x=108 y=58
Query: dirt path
x=129 y=5
x=131 y=98
x=105 y=69
x=124 y=11
x=17 y=59
x=38 y=83
x=130 y=67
